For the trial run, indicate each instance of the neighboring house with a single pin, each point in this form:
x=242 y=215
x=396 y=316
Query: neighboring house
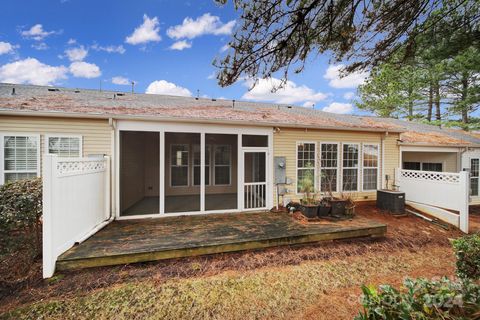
x=182 y=155
x=430 y=148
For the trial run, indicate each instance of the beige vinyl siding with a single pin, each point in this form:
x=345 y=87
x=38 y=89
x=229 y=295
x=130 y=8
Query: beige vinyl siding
x=391 y=158
x=285 y=144
x=96 y=133
x=447 y=159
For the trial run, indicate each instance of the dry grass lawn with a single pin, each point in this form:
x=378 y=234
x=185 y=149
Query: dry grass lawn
x=318 y=281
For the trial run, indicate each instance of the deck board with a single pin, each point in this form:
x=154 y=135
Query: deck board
x=130 y=241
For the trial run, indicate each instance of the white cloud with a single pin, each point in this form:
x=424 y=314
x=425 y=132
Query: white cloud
x=352 y=80
x=119 y=80
x=206 y=24
x=180 y=45
x=109 y=49
x=289 y=94
x=71 y=41
x=81 y=69
x=349 y=95
x=6 y=47
x=36 y=32
x=40 y=46
x=146 y=32
x=165 y=87
x=338 y=107
x=76 y=54
x=31 y=71
x=211 y=76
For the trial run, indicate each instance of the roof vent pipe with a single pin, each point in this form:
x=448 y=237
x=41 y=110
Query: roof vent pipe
x=13 y=91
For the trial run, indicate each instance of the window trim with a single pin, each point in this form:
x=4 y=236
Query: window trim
x=48 y=136
x=314 y=166
x=171 y=165
x=2 y=152
x=338 y=144
x=358 y=144
x=215 y=146
x=377 y=167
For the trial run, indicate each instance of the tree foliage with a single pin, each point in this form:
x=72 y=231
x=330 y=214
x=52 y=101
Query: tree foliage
x=440 y=80
x=278 y=35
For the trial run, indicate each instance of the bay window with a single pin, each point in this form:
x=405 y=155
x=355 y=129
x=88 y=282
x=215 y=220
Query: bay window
x=328 y=167
x=306 y=167
x=370 y=166
x=350 y=167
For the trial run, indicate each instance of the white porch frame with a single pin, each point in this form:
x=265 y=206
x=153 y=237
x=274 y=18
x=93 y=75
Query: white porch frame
x=202 y=129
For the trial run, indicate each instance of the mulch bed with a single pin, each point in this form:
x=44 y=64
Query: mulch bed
x=408 y=232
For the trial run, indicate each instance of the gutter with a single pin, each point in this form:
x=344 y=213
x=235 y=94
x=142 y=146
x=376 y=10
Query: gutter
x=411 y=144
x=190 y=120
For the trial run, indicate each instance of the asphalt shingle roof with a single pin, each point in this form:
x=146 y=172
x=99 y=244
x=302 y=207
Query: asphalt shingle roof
x=44 y=100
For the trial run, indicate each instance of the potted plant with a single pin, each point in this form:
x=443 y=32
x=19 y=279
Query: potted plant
x=324 y=208
x=308 y=204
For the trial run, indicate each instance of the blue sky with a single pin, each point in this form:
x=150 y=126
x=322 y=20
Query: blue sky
x=164 y=46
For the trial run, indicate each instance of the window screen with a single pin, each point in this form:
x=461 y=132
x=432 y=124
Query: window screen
x=370 y=166
x=350 y=167
x=20 y=157
x=64 y=146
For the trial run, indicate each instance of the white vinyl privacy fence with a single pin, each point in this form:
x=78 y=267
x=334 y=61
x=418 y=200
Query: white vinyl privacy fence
x=436 y=191
x=76 y=202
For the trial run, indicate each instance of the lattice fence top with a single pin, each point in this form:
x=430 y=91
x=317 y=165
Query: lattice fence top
x=80 y=166
x=431 y=176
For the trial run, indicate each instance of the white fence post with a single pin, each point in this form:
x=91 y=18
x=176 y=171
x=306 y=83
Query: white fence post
x=48 y=259
x=108 y=199
x=464 y=210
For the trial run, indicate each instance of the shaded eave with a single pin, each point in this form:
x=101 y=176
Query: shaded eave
x=107 y=116
x=436 y=145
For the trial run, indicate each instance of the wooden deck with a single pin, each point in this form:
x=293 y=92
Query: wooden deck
x=130 y=241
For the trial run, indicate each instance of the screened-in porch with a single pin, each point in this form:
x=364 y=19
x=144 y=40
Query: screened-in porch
x=180 y=171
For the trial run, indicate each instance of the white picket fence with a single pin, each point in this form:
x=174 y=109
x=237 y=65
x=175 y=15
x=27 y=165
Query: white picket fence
x=76 y=202
x=436 y=191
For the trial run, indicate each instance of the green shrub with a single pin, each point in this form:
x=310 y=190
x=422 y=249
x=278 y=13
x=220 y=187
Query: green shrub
x=422 y=299
x=467 y=251
x=20 y=215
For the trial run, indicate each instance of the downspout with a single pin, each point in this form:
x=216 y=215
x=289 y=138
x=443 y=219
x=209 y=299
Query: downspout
x=112 y=124
x=382 y=146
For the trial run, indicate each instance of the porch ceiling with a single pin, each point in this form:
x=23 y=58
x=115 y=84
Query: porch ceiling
x=131 y=241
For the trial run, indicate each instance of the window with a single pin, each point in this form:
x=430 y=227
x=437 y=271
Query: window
x=196 y=165
x=370 y=166
x=254 y=141
x=474 y=173
x=411 y=165
x=20 y=155
x=305 y=167
x=179 y=165
x=350 y=167
x=428 y=166
x=64 y=146
x=328 y=167
x=222 y=164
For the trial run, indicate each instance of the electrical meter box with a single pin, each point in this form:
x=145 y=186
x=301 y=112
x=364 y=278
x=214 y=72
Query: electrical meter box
x=280 y=169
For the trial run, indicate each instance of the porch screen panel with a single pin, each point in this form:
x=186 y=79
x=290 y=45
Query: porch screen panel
x=139 y=173
x=182 y=177
x=305 y=167
x=474 y=174
x=221 y=192
x=350 y=167
x=328 y=167
x=370 y=166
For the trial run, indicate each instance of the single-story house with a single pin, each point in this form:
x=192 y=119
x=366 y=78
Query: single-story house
x=431 y=148
x=184 y=155
x=154 y=142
